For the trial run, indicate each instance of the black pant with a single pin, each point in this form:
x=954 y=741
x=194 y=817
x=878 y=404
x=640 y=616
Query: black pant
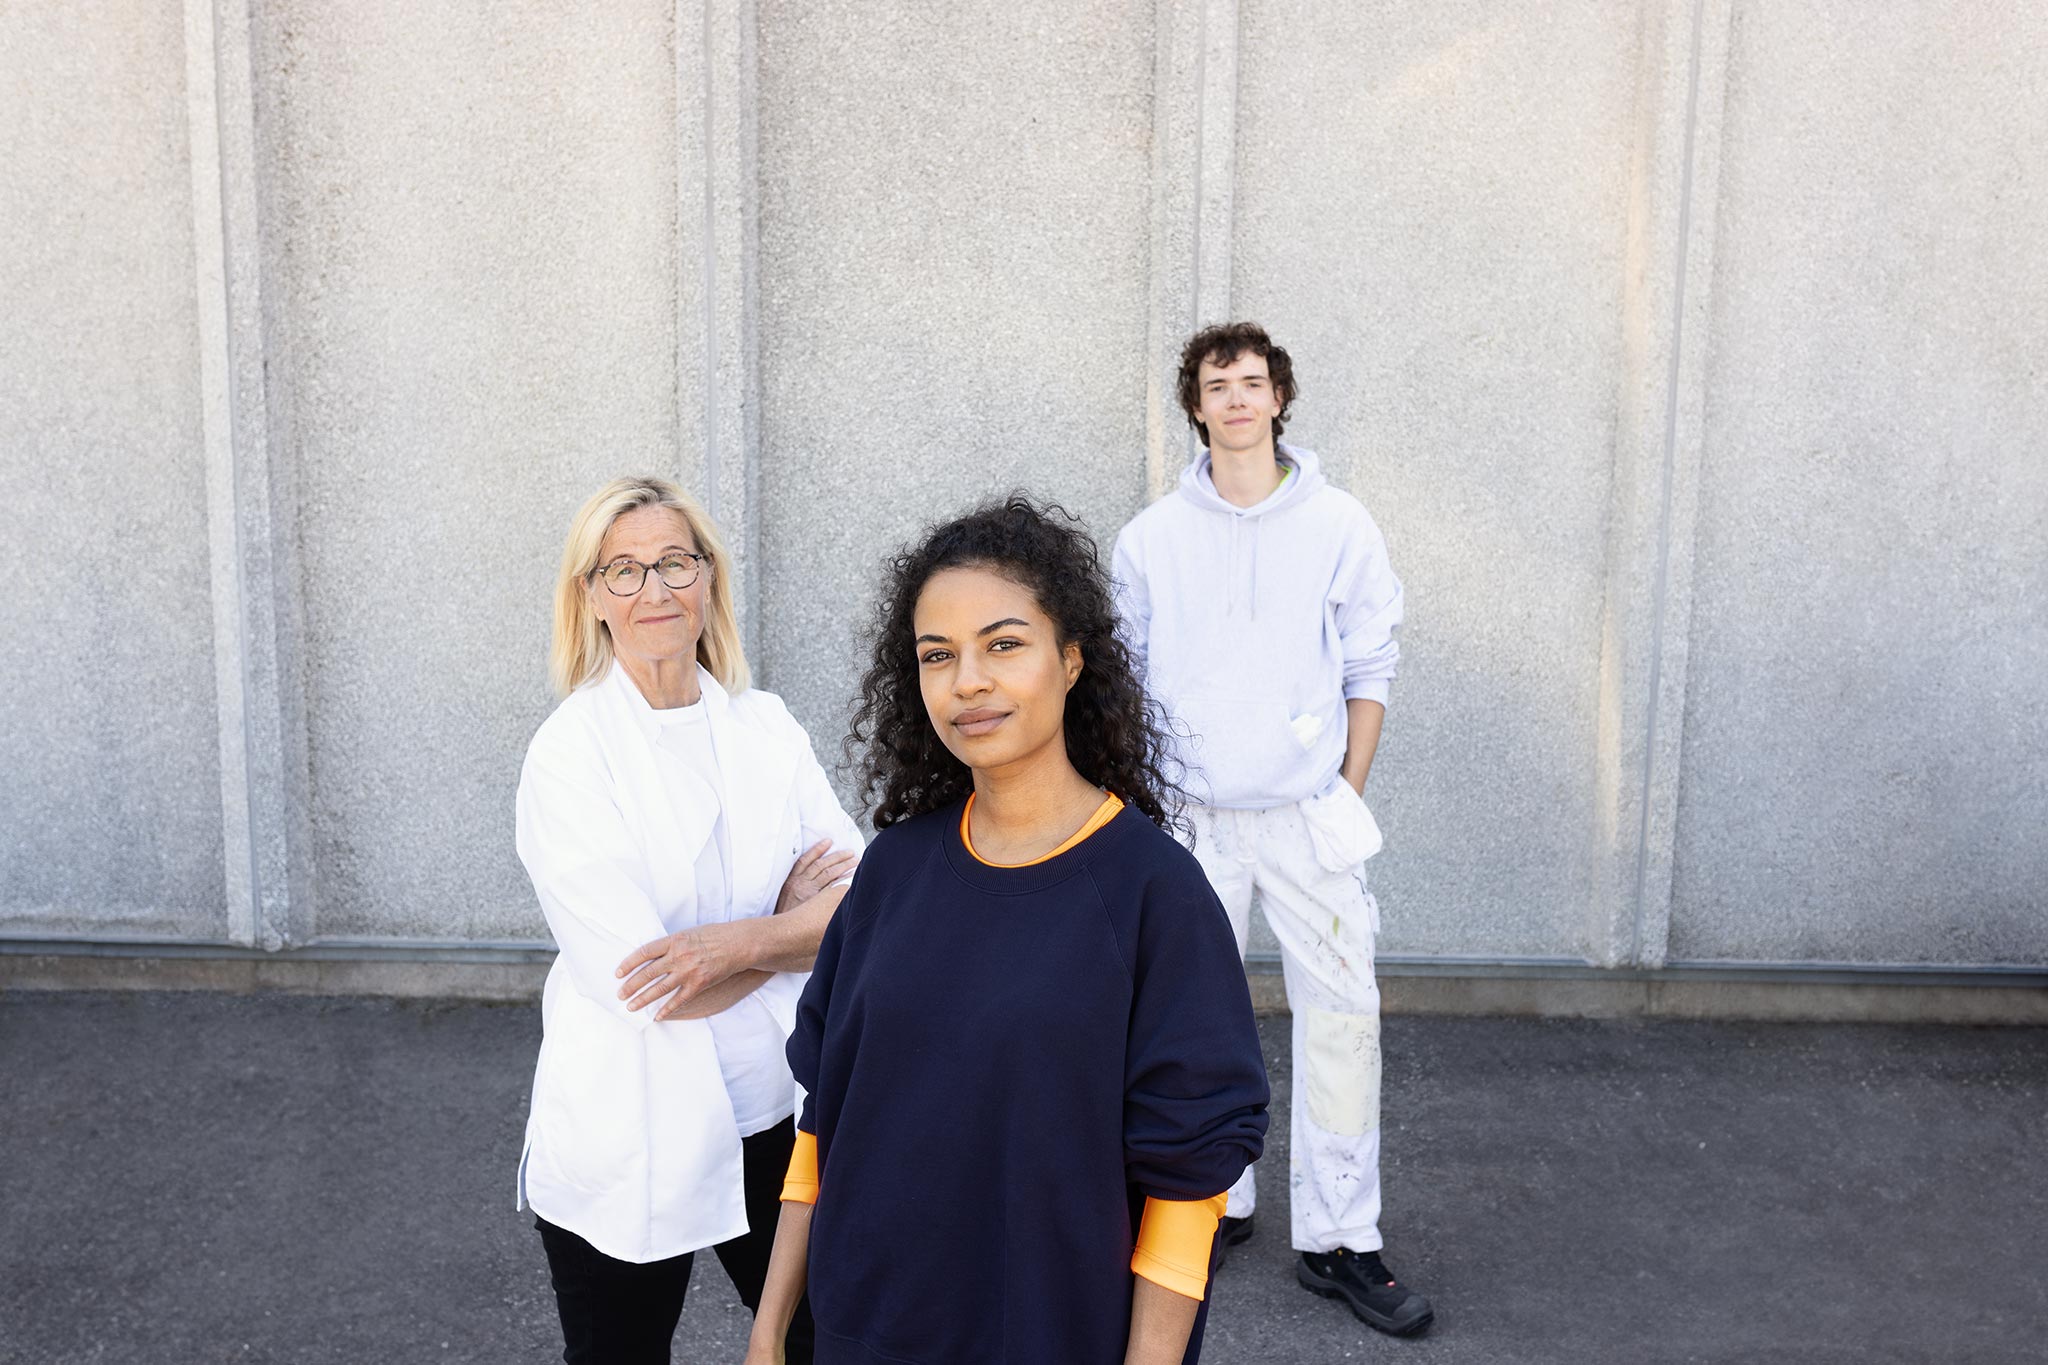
x=618 y=1313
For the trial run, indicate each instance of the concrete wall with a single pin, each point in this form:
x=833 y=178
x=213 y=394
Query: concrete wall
x=1689 y=352
x=953 y=297
x=1866 y=768
x=475 y=326
x=110 y=814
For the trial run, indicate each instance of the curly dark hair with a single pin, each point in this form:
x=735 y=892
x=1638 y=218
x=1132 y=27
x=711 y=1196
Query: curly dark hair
x=1221 y=345
x=1117 y=737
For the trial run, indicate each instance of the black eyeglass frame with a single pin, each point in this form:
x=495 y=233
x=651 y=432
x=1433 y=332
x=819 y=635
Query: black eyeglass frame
x=698 y=561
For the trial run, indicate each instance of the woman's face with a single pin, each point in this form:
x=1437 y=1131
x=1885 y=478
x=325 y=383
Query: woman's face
x=658 y=622
x=990 y=665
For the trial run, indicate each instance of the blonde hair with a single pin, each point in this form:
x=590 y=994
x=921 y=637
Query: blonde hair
x=582 y=650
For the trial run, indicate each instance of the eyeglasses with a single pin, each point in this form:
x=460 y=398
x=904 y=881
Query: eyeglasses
x=678 y=570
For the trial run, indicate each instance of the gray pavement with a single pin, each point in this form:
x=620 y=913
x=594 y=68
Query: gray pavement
x=277 y=1179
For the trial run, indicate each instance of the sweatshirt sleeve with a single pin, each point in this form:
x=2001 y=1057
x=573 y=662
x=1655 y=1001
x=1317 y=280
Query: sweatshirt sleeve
x=1368 y=611
x=590 y=876
x=1195 y=1082
x=1133 y=599
x=807 y=1039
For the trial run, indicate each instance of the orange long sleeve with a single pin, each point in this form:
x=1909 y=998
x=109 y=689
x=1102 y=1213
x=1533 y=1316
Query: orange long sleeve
x=1174 y=1241
x=800 y=1185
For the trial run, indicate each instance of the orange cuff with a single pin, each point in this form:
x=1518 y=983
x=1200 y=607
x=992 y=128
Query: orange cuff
x=800 y=1186
x=1174 y=1241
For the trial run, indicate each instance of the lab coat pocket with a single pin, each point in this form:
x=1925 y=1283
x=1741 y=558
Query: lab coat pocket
x=1340 y=827
x=592 y=1096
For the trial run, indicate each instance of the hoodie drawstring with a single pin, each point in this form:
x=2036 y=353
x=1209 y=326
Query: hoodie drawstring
x=1255 y=568
x=1237 y=520
x=1230 y=568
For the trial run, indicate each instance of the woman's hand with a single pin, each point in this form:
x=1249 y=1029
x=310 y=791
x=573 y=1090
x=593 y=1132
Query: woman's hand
x=680 y=965
x=769 y=1353
x=713 y=999
x=817 y=869
x=695 y=965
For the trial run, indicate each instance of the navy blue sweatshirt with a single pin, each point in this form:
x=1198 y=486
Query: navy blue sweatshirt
x=1001 y=1065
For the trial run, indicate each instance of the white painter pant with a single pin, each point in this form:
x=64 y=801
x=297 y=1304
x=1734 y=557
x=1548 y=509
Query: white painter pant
x=1326 y=921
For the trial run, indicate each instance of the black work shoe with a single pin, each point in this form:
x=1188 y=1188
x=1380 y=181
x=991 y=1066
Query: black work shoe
x=1230 y=1232
x=1360 y=1278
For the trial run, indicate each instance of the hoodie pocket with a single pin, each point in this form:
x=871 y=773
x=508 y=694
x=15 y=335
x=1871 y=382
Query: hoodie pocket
x=1239 y=750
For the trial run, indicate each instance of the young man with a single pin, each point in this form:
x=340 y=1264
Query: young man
x=1262 y=607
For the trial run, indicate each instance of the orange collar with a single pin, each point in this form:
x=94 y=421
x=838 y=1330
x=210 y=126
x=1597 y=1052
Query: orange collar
x=1104 y=813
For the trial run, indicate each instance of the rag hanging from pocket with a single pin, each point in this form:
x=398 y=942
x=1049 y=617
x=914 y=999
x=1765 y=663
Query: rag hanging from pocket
x=1340 y=826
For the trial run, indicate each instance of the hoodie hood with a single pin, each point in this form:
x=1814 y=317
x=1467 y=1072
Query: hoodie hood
x=1304 y=477
x=1198 y=485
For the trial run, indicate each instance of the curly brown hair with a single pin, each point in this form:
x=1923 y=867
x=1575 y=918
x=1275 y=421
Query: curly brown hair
x=1221 y=345
x=1117 y=737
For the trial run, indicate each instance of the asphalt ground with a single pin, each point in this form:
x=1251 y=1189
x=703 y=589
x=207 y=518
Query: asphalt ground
x=202 y=1178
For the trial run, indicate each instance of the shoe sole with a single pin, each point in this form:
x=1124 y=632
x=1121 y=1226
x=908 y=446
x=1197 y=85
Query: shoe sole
x=1379 y=1322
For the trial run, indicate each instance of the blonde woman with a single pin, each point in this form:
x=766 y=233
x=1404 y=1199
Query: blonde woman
x=688 y=852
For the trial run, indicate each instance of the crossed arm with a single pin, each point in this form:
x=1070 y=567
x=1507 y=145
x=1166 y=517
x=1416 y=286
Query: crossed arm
x=704 y=971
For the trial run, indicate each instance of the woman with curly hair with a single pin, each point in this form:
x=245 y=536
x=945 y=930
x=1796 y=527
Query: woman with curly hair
x=1027 y=1046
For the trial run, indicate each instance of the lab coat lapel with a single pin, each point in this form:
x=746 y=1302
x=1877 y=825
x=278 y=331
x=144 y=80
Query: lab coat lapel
x=681 y=808
x=758 y=771
x=693 y=805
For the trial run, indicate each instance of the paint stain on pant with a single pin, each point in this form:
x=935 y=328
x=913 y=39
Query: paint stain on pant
x=1342 y=1071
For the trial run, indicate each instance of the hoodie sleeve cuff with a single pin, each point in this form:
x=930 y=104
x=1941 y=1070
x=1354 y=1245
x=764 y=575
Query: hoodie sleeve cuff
x=1369 y=689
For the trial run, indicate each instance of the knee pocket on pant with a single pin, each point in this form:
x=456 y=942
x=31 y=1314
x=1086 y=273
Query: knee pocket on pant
x=1341 y=1073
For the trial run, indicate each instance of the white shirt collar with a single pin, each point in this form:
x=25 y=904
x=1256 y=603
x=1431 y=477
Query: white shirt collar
x=715 y=699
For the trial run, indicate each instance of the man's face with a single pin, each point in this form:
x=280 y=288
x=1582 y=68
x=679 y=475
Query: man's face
x=1238 y=404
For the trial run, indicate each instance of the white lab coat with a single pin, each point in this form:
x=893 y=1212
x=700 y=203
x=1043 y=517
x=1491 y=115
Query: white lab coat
x=631 y=1141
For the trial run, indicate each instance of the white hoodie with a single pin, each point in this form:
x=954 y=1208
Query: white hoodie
x=1254 y=625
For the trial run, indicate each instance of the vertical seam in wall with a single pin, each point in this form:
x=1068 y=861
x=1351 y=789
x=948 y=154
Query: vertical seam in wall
x=1660 y=590
x=217 y=436
x=747 y=328
x=677 y=388
x=1225 y=261
x=713 y=501
x=1194 y=313
x=1156 y=297
x=259 y=931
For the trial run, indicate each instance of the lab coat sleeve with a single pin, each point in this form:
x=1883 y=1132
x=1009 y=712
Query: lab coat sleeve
x=1133 y=600
x=817 y=804
x=1368 y=609
x=589 y=874
x=1195 y=1091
